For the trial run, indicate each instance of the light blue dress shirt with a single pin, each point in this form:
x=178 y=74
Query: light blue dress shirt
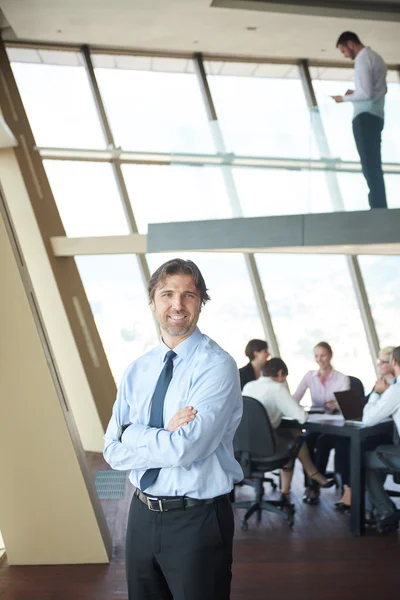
x=197 y=460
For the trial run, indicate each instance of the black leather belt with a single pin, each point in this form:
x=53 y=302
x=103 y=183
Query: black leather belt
x=177 y=503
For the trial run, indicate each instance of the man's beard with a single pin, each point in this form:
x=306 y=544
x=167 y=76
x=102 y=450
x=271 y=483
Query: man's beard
x=175 y=330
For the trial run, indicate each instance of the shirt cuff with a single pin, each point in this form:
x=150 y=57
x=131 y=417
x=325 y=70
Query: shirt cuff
x=131 y=435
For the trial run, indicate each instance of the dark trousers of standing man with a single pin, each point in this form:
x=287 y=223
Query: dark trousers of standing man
x=183 y=554
x=367 y=130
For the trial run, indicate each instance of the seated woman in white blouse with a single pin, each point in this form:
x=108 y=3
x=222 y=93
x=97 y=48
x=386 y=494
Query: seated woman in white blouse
x=271 y=390
x=322 y=383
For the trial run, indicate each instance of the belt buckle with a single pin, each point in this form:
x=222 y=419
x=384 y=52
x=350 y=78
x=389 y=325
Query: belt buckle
x=158 y=504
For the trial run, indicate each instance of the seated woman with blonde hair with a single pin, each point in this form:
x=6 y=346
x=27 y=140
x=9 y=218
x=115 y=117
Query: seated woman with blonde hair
x=322 y=383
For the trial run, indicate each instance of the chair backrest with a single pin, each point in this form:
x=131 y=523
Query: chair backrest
x=396 y=436
x=255 y=434
x=356 y=384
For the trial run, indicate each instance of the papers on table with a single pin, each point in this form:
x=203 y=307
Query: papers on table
x=325 y=417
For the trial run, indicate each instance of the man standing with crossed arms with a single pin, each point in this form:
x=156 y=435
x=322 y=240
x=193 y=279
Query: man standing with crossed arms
x=173 y=422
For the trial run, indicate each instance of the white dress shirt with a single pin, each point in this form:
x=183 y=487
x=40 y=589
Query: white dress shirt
x=383 y=406
x=276 y=399
x=370 y=84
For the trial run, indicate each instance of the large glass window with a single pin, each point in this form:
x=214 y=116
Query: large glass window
x=354 y=190
x=118 y=300
x=168 y=194
x=87 y=198
x=231 y=317
x=58 y=101
x=266 y=192
x=154 y=104
x=311 y=299
x=382 y=281
x=261 y=109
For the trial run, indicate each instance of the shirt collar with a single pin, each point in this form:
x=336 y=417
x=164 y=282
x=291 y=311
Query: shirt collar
x=315 y=374
x=186 y=348
x=362 y=50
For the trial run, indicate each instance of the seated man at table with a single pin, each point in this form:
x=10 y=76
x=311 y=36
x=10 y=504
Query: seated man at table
x=342 y=445
x=270 y=389
x=383 y=403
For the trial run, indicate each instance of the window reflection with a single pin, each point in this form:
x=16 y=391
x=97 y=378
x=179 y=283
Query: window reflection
x=262 y=115
x=87 y=198
x=310 y=298
x=382 y=281
x=161 y=194
x=59 y=105
x=155 y=110
x=118 y=300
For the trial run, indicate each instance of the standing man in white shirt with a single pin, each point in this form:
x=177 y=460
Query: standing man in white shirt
x=368 y=99
x=384 y=402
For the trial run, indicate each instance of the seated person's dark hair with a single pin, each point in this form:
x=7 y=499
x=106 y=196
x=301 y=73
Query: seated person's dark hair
x=273 y=366
x=255 y=346
x=347 y=36
x=396 y=354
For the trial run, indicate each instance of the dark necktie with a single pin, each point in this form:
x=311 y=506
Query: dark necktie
x=157 y=412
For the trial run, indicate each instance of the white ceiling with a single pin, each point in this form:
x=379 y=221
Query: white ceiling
x=191 y=25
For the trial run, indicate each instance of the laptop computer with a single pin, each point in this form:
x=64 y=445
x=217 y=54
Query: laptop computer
x=351 y=405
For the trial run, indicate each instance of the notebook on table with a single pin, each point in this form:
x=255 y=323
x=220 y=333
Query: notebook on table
x=351 y=405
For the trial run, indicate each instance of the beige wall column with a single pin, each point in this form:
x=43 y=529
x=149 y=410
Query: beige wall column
x=49 y=511
x=58 y=286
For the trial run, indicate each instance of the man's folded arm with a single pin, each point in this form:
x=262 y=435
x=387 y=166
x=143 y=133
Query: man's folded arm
x=119 y=456
x=217 y=398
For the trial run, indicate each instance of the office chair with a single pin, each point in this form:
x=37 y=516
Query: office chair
x=256 y=450
x=355 y=384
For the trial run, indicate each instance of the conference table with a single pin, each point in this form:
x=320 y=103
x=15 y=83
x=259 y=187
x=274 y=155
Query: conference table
x=357 y=434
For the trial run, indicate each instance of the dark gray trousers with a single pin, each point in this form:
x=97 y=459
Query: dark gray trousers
x=380 y=462
x=180 y=554
x=367 y=130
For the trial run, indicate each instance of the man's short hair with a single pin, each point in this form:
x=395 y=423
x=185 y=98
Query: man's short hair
x=273 y=366
x=178 y=266
x=396 y=355
x=255 y=346
x=346 y=37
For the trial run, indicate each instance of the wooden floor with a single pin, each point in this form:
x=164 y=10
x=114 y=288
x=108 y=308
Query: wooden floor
x=317 y=560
